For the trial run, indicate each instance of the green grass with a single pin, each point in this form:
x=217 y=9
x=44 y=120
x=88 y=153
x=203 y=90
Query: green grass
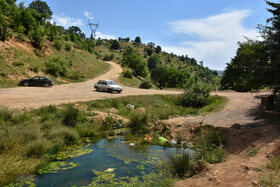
x=18 y=64
x=271 y=175
x=29 y=139
x=166 y=104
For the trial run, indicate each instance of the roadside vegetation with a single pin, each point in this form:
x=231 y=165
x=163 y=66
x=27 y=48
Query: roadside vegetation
x=35 y=46
x=30 y=139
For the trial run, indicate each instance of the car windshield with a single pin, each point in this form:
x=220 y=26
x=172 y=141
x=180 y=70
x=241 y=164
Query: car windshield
x=111 y=83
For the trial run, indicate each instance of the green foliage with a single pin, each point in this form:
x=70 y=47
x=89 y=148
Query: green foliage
x=210 y=145
x=159 y=75
x=138 y=123
x=115 y=45
x=58 y=45
x=134 y=61
x=137 y=40
x=108 y=57
x=146 y=84
x=70 y=116
x=42 y=10
x=195 y=95
x=66 y=135
x=153 y=61
x=128 y=74
x=57 y=67
x=180 y=164
x=35 y=149
x=36 y=37
x=247 y=70
x=24 y=21
x=158 y=49
x=3 y=27
x=149 y=51
x=68 y=47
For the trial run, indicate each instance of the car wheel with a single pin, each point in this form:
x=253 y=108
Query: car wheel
x=97 y=89
x=119 y=91
x=46 y=85
x=25 y=84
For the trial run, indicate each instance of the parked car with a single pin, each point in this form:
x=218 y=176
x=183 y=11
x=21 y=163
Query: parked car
x=108 y=86
x=37 y=81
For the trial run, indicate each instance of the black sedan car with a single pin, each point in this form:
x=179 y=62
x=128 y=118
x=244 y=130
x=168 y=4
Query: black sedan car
x=37 y=81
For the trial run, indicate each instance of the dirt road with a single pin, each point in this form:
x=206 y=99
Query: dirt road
x=35 y=97
x=241 y=108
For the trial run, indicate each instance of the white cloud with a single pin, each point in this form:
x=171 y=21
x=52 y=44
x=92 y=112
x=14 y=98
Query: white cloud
x=214 y=39
x=88 y=15
x=66 y=21
x=104 y=36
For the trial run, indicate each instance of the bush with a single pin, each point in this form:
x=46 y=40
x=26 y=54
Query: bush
x=36 y=37
x=70 y=116
x=138 y=123
x=127 y=74
x=65 y=134
x=67 y=47
x=145 y=85
x=35 y=149
x=196 y=95
x=57 y=66
x=180 y=164
x=58 y=45
x=108 y=57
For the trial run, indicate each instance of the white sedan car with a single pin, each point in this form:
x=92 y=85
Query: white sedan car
x=108 y=86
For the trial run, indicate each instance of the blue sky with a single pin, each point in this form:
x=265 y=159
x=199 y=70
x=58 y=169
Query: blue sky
x=207 y=30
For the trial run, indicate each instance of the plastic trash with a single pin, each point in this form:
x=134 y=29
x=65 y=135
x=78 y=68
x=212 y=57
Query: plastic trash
x=173 y=142
x=110 y=170
x=130 y=106
x=131 y=144
x=162 y=139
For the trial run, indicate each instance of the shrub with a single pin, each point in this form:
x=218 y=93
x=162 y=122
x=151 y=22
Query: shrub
x=68 y=135
x=145 y=85
x=86 y=130
x=20 y=37
x=57 y=66
x=35 y=149
x=35 y=69
x=196 y=95
x=180 y=164
x=70 y=116
x=58 y=45
x=108 y=57
x=127 y=74
x=18 y=64
x=36 y=37
x=138 y=123
x=76 y=75
x=67 y=47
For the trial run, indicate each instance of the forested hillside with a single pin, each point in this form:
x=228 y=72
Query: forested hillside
x=32 y=45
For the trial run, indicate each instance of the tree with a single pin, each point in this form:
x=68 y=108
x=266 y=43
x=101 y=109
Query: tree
x=3 y=27
x=158 y=49
x=23 y=18
x=135 y=61
x=115 y=45
x=247 y=70
x=149 y=51
x=151 y=45
x=137 y=40
x=159 y=75
x=153 y=61
x=271 y=35
x=43 y=11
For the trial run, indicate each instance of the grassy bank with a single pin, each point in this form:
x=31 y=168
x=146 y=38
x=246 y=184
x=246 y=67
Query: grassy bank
x=61 y=66
x=30 y=139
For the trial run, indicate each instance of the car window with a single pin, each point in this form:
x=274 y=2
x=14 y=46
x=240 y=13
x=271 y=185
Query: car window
x=35 y=78
x=111 y=83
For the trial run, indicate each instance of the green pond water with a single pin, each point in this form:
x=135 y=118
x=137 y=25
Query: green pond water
x=105 y=162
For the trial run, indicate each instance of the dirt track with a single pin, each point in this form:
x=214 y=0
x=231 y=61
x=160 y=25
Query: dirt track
x=35 y=97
